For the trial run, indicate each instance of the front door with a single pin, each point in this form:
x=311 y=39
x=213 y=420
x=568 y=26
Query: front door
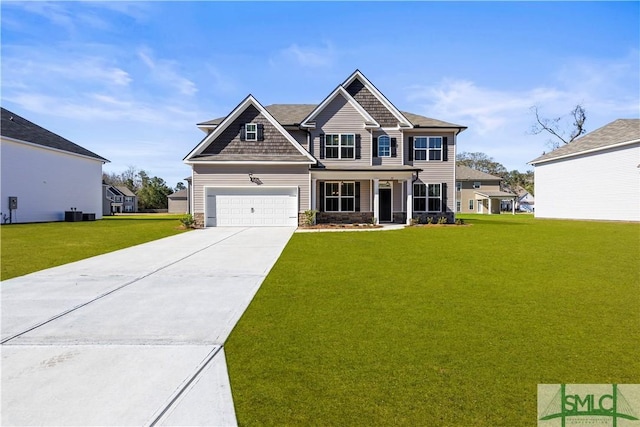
x=384 y=195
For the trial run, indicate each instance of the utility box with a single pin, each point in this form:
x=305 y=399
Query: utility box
x=13 y=203
x=72 y=216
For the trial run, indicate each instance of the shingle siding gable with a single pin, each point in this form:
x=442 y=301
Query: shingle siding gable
x=229 y=143
x=370 y=103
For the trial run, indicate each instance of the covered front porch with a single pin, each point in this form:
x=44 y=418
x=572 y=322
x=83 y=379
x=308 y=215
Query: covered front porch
x=364 y=195
x=489 y=202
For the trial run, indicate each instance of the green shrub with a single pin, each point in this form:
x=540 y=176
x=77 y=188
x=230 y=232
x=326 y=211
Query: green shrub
x=188 y=221
x=309 y=217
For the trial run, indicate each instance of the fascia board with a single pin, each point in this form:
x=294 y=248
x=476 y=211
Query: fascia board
x=593 y=150
x=246 y=162
x=57 y=150
x=307 y=122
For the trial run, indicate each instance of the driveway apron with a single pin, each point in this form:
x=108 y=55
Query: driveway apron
x=133 y=337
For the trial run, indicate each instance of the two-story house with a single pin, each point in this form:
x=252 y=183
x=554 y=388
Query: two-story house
x=353 y=158
x=480 y=192
x=118 y=199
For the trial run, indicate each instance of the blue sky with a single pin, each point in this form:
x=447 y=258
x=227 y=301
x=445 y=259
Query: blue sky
x=129 y=80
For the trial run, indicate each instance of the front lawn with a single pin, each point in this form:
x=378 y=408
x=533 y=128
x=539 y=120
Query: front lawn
x=32 y=247
x=442 y=326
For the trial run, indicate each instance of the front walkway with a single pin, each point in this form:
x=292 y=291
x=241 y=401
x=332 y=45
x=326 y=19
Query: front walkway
x=134 y=337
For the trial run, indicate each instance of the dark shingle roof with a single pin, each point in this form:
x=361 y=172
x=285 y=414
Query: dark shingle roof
x=125 y=191
x=294 y=114
x=619 y=131
x=16 y=127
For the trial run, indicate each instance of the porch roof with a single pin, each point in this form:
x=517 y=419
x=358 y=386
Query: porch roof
x=495 y=194
x=399 y=172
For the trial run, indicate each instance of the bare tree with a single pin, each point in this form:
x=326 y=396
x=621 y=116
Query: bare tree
x=555 y=126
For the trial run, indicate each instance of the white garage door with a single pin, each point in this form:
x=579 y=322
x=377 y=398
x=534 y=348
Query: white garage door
x=254 y=206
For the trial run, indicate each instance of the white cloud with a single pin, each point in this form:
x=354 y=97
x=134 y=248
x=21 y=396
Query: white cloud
x=164 y=71
x=499 y=121
x=306 y=56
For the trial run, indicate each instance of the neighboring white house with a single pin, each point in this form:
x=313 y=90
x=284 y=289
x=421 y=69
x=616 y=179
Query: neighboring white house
x=43 y=174
x=594 y=177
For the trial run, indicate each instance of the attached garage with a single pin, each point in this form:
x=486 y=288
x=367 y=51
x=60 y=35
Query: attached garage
x=251 y=206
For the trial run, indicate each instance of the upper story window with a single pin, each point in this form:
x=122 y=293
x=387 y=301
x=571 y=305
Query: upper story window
x=431 y=148
x=128 y=199
x=458 y=186
x=251 y=132
x=340 y=146
x=384 y=146
x=476 y=184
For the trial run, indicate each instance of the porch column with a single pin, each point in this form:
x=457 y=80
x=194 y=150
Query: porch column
x=312 y=193
x=376 y=207
x=409 y=201
x=513 y=206
x=490 y=200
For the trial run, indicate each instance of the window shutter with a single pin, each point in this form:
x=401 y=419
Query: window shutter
x=443 y=206
x=322 y=145
x=375 y=146
x=242 y=135
x=358 y=146
x=411 y=148
x=357 y=194
x=320 y=205
x=394 y=147
x=445 y=149
x=260 y=132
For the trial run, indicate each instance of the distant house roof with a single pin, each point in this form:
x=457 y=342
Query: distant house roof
x=180 y=194
x=125 y=191
x=16 y=127
x=465 y=173
x=619 y=132
x=294 y=114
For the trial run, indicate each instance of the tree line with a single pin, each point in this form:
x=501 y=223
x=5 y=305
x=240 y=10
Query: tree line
x=152 y=191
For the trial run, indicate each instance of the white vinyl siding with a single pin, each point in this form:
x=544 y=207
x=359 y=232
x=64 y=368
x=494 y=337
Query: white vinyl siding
x=604 y=185
x=238 y=176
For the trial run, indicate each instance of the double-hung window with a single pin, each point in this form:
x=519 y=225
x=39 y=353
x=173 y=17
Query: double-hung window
x=420 y=148
x=340 y=146
x=477 y=184
x=427 y=197
x=384 y=146
x=427 y=148
x=419 y=197
x=251 y=132
x=339 y=196
x=435 y=148
x=434 y=197
x=458 y=186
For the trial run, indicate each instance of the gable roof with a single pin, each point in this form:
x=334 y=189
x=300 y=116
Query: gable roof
x=369 y=121
x=294 y=114
x=357 y=75
x=180 y=194
x=18 y=128
x=465 y=173
x=125 y=191
x=197 y=153
x=617 y=133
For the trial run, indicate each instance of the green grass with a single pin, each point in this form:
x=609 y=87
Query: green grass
x=441 y=326
x=32 y=247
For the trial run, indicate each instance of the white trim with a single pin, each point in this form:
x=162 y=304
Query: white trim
x=57 y=150
x=378 y=142
x=402 y=120
x=339 y=146
x=593 y=150
x=390 y=187
x=247 y=131
x=245 y=162
x=369 y=121
x=249 y=100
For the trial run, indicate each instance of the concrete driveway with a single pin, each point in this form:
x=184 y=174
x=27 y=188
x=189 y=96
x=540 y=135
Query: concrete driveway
x=134 y=337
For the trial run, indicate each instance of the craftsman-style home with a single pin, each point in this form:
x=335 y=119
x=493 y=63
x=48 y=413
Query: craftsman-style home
x=353 y=158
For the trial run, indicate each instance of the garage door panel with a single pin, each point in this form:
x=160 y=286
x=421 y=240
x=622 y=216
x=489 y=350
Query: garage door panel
x=275 y=206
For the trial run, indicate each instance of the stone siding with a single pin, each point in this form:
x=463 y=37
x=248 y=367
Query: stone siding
x=199 y=219
x=344 y=217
